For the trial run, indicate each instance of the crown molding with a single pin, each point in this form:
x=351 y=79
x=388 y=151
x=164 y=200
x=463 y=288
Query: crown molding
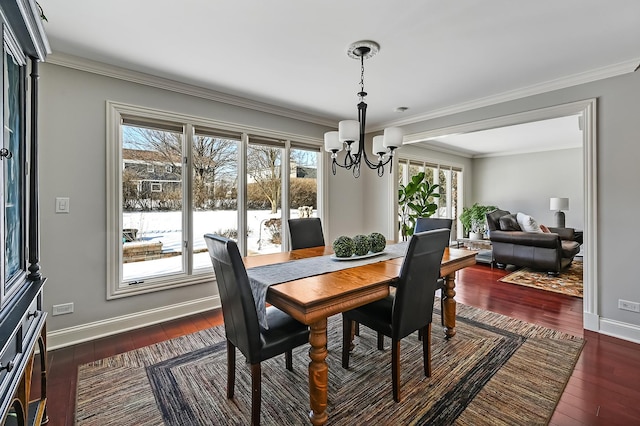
x=100 y=68
x=536 y=89
x=107 y=70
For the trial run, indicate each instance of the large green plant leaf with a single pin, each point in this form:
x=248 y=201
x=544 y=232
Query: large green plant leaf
x=416 y=199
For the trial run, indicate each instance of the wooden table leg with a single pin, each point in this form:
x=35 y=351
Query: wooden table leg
x=318 y=372
x=449 y=305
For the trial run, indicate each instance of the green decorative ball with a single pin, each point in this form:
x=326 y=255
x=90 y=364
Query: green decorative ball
x=343 y=246
x=377 y=241
x=362 y=245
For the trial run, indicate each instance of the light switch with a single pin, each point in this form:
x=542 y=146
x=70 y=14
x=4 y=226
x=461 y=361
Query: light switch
x=62 y=204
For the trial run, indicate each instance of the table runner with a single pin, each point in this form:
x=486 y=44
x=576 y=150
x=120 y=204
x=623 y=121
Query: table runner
x=261 y=277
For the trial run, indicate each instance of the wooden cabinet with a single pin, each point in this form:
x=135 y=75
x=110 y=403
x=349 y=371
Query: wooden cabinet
x=22 y=320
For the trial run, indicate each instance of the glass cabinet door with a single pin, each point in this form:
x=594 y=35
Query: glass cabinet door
x=12 y=163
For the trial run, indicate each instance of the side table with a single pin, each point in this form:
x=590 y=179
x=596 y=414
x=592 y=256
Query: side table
x=485 y=254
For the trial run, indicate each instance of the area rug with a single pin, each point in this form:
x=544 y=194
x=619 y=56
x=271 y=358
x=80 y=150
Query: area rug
x=568 y=282
x=495 y=371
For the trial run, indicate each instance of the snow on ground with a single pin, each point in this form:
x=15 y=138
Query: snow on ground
x=166 y=227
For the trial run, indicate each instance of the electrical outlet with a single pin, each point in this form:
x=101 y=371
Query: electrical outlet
x=628 y=306
x=64 y=308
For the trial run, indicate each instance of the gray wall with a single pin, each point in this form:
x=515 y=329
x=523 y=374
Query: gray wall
x=72 y=118
x=618 y=175
x=524 y=183
x=72 y=134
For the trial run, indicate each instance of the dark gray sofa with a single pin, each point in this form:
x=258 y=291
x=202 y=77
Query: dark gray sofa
x=550 y=252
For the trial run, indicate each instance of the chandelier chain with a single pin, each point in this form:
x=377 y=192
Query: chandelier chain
x=361 y=77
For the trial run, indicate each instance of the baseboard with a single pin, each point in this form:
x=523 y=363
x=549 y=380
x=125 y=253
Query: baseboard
x=591 y=322
x=621 y=330
x=95 y=330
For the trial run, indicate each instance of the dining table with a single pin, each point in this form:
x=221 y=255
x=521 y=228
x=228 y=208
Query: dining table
x=312 y=299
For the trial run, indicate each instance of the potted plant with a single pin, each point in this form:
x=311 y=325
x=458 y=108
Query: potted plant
x=474 y=220
x=416 y=200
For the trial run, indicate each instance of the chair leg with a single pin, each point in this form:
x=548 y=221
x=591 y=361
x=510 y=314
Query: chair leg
x=442 y=289
x=357 y=332
x=395 y=368
x=288 y=356
x=380 y=341
x=256 y=393
x=231 y=369
x=426 y=349
x=347 y=329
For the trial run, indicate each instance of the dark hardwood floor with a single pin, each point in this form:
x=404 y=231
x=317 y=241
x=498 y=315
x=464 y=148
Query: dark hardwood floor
x=604 y=388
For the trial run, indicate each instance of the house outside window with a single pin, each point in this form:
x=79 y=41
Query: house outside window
x=158 y=215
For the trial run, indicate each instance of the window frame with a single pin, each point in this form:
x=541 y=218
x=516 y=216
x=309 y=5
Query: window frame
x=116 y=288
x=416 y=161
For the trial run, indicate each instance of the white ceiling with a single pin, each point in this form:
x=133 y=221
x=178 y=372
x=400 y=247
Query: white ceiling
x=537 y=136
x=435 y=56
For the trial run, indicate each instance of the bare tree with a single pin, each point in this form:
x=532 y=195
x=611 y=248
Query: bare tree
x=264 y=166
x=212 y=158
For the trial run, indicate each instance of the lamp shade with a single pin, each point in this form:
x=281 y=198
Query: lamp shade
x=393 y=137
x=559 y=204
x=331 y=142
x=378 y=145
x=349 y=130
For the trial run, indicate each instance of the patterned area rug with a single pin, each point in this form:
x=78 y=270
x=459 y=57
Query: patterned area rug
x=568 y=282
x=495 y=371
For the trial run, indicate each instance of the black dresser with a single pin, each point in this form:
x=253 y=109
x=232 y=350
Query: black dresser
x=23 y=350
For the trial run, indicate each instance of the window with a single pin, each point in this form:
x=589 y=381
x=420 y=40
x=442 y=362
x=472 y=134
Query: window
x=303 y=188
x=449 y=179
x=172 y=178
x=215 y=189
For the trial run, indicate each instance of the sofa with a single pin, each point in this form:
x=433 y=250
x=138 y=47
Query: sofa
x=540 y=248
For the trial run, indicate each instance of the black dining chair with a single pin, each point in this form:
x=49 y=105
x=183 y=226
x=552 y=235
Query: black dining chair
x=305 y=232
x=429 y=224
x=408 y=310
x=241 y=321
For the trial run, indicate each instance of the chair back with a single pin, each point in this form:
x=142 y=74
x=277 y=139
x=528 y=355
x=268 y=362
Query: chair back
x=417 y=283
x=431 y=223
x=306 y=232
x=238 y=306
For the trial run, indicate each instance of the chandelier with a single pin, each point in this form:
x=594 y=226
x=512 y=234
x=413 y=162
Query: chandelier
x=350 y=134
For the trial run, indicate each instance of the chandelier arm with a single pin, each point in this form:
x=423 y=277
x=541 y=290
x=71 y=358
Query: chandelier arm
x=361 y=50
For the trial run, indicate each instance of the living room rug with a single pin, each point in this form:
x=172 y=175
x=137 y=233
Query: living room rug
x=568 y=282
x=496 y=370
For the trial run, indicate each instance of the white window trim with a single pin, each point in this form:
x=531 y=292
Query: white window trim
x=156 y=187
x=114 y=113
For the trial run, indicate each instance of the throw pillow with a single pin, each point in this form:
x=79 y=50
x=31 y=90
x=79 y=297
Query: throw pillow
x=544 y=229
x=509 y=222
x=527 y=223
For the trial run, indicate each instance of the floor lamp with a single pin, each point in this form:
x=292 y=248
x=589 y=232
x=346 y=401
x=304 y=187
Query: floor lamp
x=559 y=204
